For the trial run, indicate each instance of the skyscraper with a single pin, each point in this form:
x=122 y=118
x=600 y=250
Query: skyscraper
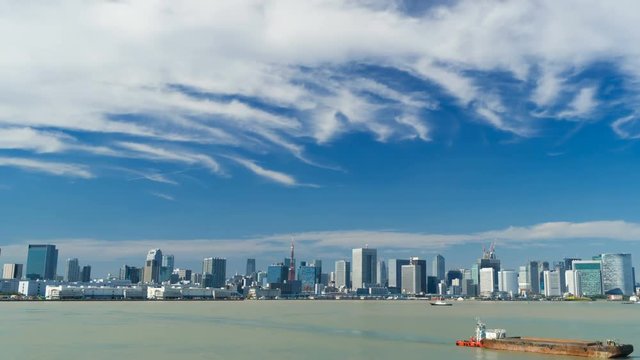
x=534 y=277
x=552 y=283
x=12 y=271
x=395 y=273
x=489 y=260
x=381 y=273
x=589 y=276
x=411 y=279
x=42 y=262
x=215 y=271
x=508 y=282
x=343 y=274
x=317 y=264
x=152 y=266
x=438 y=267
x=572 y=282
x=72 y=270
x=451 y=275
x=277 y=273
x=422 y=264
x=130 y=273
x=166 y=268
x=85 y=273
x=488 y=284
x=524 y=280
x=251 y=267
x=307 y=277
x=617 y=274
x=363 y=264
x=168 y=261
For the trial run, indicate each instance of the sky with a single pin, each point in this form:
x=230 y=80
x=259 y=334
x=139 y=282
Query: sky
x=229 y=128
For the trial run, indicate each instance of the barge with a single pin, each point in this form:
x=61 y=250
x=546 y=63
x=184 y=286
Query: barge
x=497 y=339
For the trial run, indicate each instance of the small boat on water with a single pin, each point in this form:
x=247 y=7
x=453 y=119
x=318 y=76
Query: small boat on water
x=497 y=339
x=441 y=302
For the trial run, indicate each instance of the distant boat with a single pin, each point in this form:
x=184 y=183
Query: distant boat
x=441 y=302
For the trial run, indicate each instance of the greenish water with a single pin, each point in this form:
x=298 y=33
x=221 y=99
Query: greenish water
x=293 y=329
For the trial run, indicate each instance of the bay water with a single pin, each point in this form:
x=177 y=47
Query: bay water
x=295 y=329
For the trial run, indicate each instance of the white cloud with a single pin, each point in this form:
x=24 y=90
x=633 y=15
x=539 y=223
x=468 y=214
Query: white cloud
x=625 y=127
x=271 y=175
x=582 y=105
x=115 y=74
x=52 y=168
x=323 y=242
x=159 y=153
x=163 y=196
x=548 y=87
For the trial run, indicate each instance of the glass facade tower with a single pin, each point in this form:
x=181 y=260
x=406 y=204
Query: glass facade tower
x=42 y=262
x=617 y=274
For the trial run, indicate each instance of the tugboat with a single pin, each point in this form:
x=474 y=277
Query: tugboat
x=497 y=339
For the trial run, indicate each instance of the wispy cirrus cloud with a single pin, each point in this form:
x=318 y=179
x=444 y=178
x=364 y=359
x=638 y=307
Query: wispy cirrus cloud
x=163 y=196
x=261 y=78
x=52 y=168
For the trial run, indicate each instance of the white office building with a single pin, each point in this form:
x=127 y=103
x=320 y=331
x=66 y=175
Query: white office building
x=487 y=281
x=552 y=283
x=508 y=282
x=411 y=279
x=364 y=268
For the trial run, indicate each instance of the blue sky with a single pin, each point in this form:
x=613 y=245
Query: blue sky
x=415 y=129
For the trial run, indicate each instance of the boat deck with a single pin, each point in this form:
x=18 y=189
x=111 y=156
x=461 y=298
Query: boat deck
x=550 y=341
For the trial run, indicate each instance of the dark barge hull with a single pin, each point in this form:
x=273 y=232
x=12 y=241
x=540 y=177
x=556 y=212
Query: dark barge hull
x=592 y=349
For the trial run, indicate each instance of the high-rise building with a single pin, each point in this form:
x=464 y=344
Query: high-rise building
x=395 y=273
x=317 y=264
x=183 y=274
x=488 y=285
x=568 y=263
x=12 y=271
x=72 y=270
x=589 y=276
x=251 y=267
x=508 y=282
x=411 y=281
x=343 y=274
x=423 y=272
x=382 y=274
x=451 y=275
x=475 y=274
x=437 y=267
x=214 y=272
x=85 y=273
x=168 y=261
x=617 y=274
x=524 y=280
x=551 y=283
x=432 y=285
x=363 y=265
x=307 y=277
x=131 y=273
x=152 y=266
x=489 y=260
x=572 y=282
x=534 y=277
x=277 y=273
x=42 y=262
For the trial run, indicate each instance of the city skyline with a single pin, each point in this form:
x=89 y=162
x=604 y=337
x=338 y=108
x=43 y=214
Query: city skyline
x=605 y=274
x=368 y=270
